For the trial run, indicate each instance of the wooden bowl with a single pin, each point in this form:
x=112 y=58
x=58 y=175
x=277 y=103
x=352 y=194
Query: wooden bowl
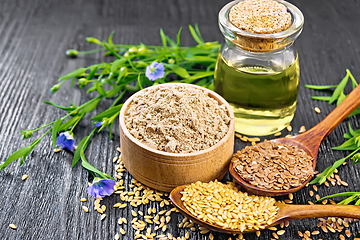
x=163 y=170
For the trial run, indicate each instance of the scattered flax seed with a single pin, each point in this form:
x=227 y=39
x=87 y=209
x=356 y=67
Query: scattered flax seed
x=310 y=202
x=24 y=177
x=85 y=209
x=12 y=226
x=341 y=237
x=289 y=128
x=287 y=223
x=57 y=150
x=315 y=233
x=317 y=197
x=317 y=110
x=277 y=134
x=275 y=235
x=122 y=231
x=118 y=149
x=280 y=232
x=311 y=193
x=291 y=196
x=302 y=129
x=117 y=236
x=258 y=233
x=282 y=225
x=211 y=236
x=300 y=234
x=347 y=233
x=83 y=200
x=272 y=228
x=238 y=135
x=102 y=216
x=315 y=188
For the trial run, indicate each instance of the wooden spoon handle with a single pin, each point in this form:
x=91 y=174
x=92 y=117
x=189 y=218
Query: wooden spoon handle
x=290 y=212
x=316 y=135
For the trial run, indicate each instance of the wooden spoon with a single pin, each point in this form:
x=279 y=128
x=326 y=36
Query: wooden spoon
x=286 y=212
x=309 y=141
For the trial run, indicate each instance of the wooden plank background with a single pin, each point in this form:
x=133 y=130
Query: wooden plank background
x=34 y=36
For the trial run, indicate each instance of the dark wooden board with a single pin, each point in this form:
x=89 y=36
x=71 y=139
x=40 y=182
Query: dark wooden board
x=34 y=37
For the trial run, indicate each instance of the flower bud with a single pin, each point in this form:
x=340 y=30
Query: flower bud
x=72 y=52
x=142 y=50
x=133 y=50
x=141 y=64
x=83 y=81
x=171 y=61
x=123 y=69
x=54 y=88
x=93 y=40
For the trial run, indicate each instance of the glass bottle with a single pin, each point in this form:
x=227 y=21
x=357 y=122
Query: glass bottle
x=258 y=74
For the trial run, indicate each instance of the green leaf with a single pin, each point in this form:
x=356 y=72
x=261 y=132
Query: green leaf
x=110 y=39
x=139 y=81
x=100 y=89
x=351 y=131
x=92 y=104
x=82 y=146
x=55 y=130
x=75 y=73
x=347 y=200
x=339 y=195
x=341 y=98
x=320 y=87
x=111 y=50
x=355 y=112
x=321 y=178
x=195 y=36
x=353 y=81
x=339 y=89
x=163 y=38
x=92 y=73
x=116 y=64
x=321 y=98
x=198 y=32
x=182 y=72
x=17 y=154
x=69 y=123
x=357 y=202
x=178 y=37
x=60 y=107
x=348 y=145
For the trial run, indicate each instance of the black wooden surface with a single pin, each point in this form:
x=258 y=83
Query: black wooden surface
x=33 y=38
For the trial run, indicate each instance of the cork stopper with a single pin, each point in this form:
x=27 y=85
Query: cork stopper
x=259 y=17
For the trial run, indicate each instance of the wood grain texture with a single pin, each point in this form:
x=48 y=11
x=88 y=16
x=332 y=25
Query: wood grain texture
x=34 y=36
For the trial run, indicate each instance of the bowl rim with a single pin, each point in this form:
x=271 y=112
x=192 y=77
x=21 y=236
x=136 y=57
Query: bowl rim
x=178 y=155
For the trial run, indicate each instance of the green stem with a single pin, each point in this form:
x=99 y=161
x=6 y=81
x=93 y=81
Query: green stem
x=118 y=98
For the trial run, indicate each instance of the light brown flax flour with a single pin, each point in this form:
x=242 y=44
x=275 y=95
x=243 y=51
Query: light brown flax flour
x=177 y=119
x=260 y=16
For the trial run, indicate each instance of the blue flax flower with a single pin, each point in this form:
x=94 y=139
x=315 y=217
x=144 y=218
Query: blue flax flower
x=65 y=140
x=98 y=124
x=101 y=187
x=155 y=70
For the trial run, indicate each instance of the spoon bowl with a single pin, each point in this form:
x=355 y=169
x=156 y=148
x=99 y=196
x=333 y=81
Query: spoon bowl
x=286 y=212
x=309 y=141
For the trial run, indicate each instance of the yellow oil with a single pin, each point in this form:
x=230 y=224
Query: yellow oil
x=263 y=98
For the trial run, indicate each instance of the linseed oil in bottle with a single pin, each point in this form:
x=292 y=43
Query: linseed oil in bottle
x=263 y=98
x=257 y=69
